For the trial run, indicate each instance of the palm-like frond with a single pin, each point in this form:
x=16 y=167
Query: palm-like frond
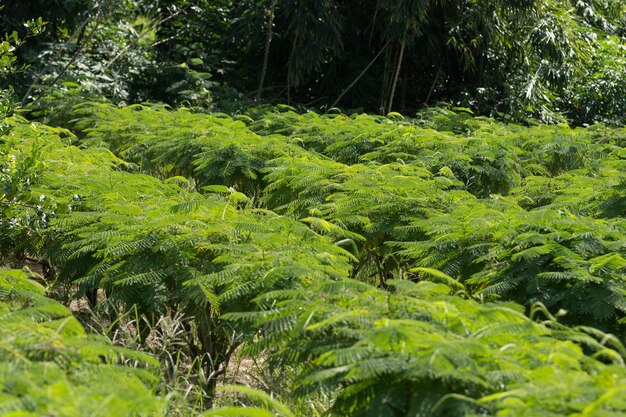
x=48 y=363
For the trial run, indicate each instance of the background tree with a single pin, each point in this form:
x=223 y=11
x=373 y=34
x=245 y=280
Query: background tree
x=520 y=59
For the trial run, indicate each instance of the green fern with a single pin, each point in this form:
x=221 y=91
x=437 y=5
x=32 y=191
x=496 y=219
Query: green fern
x=48 y=364
x=417 y=351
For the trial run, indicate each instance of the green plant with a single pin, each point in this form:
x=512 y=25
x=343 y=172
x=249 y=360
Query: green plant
x=419 y=351
x=50 y=365
x=153 y=246
x=200 y=237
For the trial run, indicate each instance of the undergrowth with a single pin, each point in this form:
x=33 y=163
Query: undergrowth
x=441 y=265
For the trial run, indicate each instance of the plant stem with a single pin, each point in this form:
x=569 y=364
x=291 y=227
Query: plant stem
x=266 y=55
x=397 y=75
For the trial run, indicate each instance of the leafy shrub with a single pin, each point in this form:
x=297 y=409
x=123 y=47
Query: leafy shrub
x=419 y=351
x=50 y=366
x=212 y=149
x=152 y=245
x=262 y=218
x=551 y=256
x=600 y=97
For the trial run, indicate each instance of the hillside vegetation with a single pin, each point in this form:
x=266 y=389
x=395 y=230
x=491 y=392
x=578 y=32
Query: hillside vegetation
x=444 y=265
x=313 y=208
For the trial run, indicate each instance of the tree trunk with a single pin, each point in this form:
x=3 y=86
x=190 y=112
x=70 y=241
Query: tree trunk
x=385 y=85
x=397 y=75
x=382 y=274
x=434 y=84
x=266 y=55
x=214 y=351
x=289 y=75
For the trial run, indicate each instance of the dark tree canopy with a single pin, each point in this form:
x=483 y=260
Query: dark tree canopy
x=551 y=60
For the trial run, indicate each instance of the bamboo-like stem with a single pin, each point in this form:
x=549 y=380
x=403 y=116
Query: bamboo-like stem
x=266 y=55
x=397 y=74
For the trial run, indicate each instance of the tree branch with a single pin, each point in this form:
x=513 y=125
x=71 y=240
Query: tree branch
x=54 y=58
x=360 y=75
x=127 y=47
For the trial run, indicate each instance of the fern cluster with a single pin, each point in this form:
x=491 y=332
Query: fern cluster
x=418 y=351
x=50 y=366
x=314 y=239
x=153 y=246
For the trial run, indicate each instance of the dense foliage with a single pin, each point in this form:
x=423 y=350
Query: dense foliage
x=551 y=60
x=313 y=241
x=173 y=244
x=50 y=366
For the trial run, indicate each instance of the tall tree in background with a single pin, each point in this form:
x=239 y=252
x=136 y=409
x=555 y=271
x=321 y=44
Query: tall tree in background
x=523 y=58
